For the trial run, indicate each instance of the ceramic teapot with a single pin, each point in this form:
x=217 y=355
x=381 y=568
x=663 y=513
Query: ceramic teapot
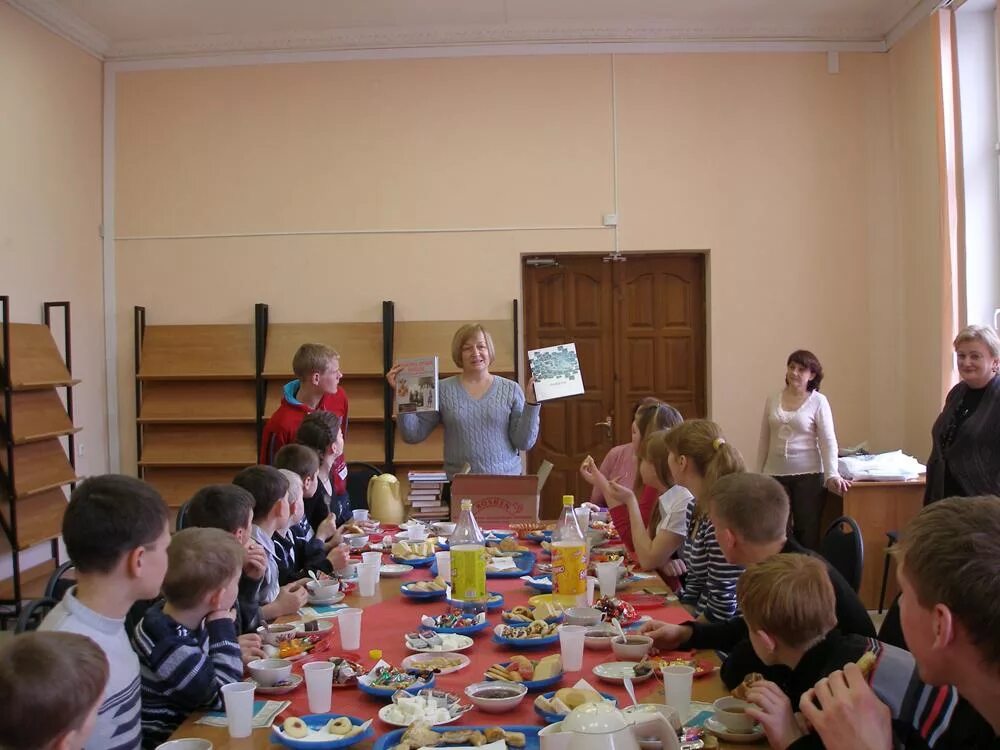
x=384 y=502
x=601 y=726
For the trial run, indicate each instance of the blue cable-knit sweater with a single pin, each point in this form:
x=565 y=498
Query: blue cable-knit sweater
x=486 y=433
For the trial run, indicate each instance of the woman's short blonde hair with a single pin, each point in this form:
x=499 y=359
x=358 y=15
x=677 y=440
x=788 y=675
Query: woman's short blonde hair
x=984 y=334
x=466 y=332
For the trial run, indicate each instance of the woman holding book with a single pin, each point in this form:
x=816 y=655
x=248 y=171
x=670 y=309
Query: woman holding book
x=487 y=419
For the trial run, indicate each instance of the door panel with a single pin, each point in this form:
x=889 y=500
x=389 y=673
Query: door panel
x=639 y=330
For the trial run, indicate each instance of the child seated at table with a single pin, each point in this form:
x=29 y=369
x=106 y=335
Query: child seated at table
x=187 y=643
x=271 y=512
x=39 y=713
x=303 y=461
x=298 y=551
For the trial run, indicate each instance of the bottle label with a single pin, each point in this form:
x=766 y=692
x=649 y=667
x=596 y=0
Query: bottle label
x=468 y=574
x=569 y=569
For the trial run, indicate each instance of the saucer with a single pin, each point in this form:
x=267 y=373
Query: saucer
x=717 y=728
x=294 y=681
x=617 y=671
x=321 y=601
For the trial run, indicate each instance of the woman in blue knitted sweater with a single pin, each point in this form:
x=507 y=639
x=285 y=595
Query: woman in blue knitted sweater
x=486 y=418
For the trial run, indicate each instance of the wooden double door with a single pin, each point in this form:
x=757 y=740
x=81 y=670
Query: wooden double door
x=639 y=326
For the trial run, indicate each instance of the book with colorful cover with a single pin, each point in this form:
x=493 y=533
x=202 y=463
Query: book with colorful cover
x=417 y=385
x=556 y=370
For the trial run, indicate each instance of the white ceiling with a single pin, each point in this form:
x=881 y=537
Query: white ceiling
x=136 y=29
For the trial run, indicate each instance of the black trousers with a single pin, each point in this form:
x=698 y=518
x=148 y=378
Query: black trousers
x=807 y=495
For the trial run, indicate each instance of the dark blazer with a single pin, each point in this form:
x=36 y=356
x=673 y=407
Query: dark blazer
x=974 y=455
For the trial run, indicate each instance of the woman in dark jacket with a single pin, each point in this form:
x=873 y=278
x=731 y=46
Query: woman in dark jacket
x=965 y=456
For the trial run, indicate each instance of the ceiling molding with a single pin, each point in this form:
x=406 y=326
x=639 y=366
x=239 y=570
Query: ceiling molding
x=917 y=14
x=57 y=19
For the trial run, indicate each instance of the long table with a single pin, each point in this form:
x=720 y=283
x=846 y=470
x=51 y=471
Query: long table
x=389 y=614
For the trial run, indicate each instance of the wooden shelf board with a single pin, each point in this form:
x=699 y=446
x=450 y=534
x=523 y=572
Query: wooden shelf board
x=178 y=485
x=198 y=352
x=198 y=445
x=425 y=338
x=430 y=450
x=359 y=346
x=33 y=581
x=39 y=517
x=38 y=467
x=38 y=415
x=198 y=402
x=364 y=398
x=366 y=442
x=35 y=358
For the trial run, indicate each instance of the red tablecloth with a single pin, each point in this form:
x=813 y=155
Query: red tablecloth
x=384 y=624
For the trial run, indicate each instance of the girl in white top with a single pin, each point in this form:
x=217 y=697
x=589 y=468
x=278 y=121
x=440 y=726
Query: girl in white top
x=798 y=445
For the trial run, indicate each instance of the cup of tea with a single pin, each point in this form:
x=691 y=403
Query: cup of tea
x=732 y=712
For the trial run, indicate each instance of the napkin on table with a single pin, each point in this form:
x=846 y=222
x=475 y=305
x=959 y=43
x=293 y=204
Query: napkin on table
x=264 y=713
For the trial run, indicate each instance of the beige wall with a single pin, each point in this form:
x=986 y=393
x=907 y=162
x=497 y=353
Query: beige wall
x=50 y=202
x=789 y=177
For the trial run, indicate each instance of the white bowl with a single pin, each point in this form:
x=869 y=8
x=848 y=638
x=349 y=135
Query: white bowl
x=588 y=616
x=479 y=693
x=442 y=528
x=356 y=541
x=324 y=589
x=632 y=648
x=349 y=571
x=268 y=672
x=276 y=634
x=599 y=637
x=188 y=744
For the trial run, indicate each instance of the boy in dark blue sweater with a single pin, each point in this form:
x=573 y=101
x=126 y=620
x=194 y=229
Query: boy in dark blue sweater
x=187 y=643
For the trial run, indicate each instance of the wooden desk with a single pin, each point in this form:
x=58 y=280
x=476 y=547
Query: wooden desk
x=877 y=507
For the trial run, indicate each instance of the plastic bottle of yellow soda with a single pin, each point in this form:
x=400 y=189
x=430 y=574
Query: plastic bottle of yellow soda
x=468 y=562
x=569 y=557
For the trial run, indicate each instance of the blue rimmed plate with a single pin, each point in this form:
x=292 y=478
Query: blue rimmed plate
x=460 y=631
x=532 y=685
x=417 y=562
x=317 y=725
x=545 y=588
x=553 y=718
x=407 y=590
x=391 y=739
x=495 y=601
x=386 y=692
x=522 y=642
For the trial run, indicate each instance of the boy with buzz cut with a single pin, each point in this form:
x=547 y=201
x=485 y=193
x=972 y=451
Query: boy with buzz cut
x=271 y=513
x=300 y=553
x=187 y=643
x=116 y=530
x=316 y=388
x=39 y=712
x=750 y=515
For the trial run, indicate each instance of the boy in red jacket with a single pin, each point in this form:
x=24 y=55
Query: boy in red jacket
x=316 y=388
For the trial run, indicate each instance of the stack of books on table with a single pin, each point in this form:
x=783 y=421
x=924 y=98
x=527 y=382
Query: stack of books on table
x=425 y=498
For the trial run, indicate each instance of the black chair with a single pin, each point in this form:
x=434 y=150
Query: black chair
x=359 y=474
x=181 y=516
x=891 y=538
x=32 y=614
x=843 y=548
x=60 y=581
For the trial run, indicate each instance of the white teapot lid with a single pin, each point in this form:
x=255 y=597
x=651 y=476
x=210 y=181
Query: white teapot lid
x=594 y=718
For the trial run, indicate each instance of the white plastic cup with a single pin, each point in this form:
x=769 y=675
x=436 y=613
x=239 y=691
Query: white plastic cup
x=677 y=684
x=367 y=578
x=238 y=699
x=607 y=576
x=583 y=518
x=571 y=646
x=444 y=565
x=349 y=624
x=360 y=516
x=319 y=685
x=591 y=584
x=372 y=557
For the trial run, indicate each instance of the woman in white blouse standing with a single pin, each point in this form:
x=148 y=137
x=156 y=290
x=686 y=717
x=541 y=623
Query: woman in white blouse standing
x=798 y=445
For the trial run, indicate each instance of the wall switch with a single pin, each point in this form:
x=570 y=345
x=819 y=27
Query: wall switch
x=610 y=220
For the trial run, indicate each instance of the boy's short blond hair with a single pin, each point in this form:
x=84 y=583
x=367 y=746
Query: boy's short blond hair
x=49 y=683
x=312 y=358
x=466 y=332
x=790 y=597
x=294 y=486
x=754 y=506
x=200 y=561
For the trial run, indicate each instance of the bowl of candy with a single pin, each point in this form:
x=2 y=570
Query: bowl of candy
x=456 y=621
x=383 y=680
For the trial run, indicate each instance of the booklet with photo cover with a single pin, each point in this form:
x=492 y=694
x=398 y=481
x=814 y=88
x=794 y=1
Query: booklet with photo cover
x=556 y=370
x=417 y=385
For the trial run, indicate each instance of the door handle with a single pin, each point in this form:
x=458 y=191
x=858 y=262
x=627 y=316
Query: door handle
x=606 y=424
